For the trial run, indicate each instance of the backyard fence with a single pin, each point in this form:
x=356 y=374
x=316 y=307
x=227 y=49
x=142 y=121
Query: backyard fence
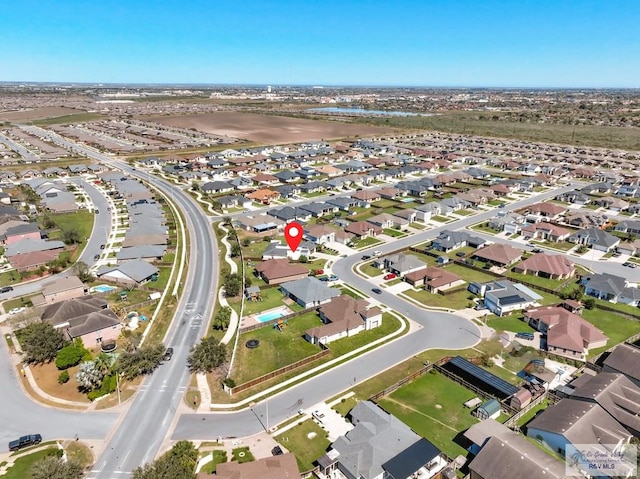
x=279 y=372
x=512 y=421
x=428 y=367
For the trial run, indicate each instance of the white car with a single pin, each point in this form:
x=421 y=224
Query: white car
x=17 y=310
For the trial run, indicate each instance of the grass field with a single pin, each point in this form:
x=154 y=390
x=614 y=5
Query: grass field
x=508 y=323
x=457 y=300
x=616 y=327
x=469 y=274
x=66 y=119
x=479 y=123
x=276 y=349
x=81 y=221
x=21 y=468
x=307 y=441
x=432 y=406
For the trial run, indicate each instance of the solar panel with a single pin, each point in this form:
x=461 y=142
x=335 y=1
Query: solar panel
x=483 y=375
x=512 y=299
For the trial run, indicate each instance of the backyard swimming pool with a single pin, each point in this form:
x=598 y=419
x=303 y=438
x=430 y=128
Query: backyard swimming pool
x=407 y=200
x=270 y=315
x=103 y=288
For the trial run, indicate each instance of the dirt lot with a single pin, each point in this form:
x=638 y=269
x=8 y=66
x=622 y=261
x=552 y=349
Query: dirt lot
x=267 y=129
x=46 y=376
x=37 y=113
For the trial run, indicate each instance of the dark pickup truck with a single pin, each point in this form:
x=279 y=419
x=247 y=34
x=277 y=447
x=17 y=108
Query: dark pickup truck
x=25 y=441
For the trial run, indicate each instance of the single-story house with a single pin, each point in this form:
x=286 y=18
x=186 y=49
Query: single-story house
x=274 y=467
x=547 y=266
x=344 y=316
x=503 y=297
x=59 y=289
x=401 y=263
x=276 y=271
x=498 y=254
x=130 y=273
x=363 y=229
x=596 y=238
x=545 y=231
x=309 y=292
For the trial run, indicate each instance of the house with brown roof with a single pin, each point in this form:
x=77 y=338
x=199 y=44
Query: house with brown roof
x=391 y=193
x=547 y=266
x=498 y=254
x=363 y=229
x=264 y=196
x=33 y=260
x=59 y=289
x=265 y=179
x=545 y=231
x=433 y=279
x=276 y=271
x=568 y=334
x=547 y=210
x=88 y=318
x=366 y=197
x=344 y=316
x=284 y=466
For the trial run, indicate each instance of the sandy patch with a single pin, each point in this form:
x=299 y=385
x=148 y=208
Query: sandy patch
x=38 y=113
x=269 y=129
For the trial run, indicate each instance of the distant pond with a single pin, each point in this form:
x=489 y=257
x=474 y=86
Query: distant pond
x=362 y=111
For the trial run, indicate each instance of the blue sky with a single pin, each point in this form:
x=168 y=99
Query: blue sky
x=559 y=43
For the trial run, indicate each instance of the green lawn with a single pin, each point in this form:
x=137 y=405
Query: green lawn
x=371 y=271
x=81 y=221
x=508 y=323
x=441 y=219
x=416 y=404
x=466 y=212
x=345 y=345
x=394 y=233
x=366 y=243
x=307 y=441
x=242 y=455
x=616 y=327
x=271 y=298
x=21 y=468
x=469 y=274
x=9 y=277
x=383 y=203
x=536 y=280
x=559 y=245
x=276 y=349
x=457 y=300
x=482 y=227
x=218 y=458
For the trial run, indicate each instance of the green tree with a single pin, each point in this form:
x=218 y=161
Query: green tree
x=48 y=222
x=207 y=355
x=83 y=272
x=232 y=285
x=69 y=356
x=40 y=342
x=103 y=362
x=52 y=467
x=235 y=250
x=226 y=221
x=177 y=463
x=222 y=318
x=71 y=236
x=142 y=361
x=590 y=303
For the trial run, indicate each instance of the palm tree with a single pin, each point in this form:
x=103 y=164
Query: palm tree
x=89 y=376
x=103 y=362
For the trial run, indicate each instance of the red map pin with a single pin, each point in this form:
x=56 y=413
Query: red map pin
x=293 y=235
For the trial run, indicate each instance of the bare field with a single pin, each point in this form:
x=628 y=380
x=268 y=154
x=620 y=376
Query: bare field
x=37 y=113
x=268 y=129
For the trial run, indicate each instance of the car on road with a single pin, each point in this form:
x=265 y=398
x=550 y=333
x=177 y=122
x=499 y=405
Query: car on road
x=97 y=212
x=17 y=310
x=25 y=441
x=536 y=250
x=377 y=253
x=389 y=276
x=365 y=257
x=96 y=257
x=102 y=246
x=629 y=264
x=377 y=290
x=168 y=354
x=6 y=289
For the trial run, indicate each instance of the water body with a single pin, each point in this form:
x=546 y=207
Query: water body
x=362 y=111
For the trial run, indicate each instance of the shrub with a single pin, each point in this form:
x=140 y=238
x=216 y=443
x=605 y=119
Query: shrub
x=63 y=377
x=69 y=356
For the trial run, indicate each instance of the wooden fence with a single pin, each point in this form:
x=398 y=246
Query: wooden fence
x=428 y=367
x=279 y=372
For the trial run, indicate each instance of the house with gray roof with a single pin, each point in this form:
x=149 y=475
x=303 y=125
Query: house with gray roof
x=290 y=213
x=624 y=359
x=319 y=209
x=450 y=240
x=30 y=245
x=604 y=286
x=287 y=191
x=343 y=203
x=426 y=211
x=131 y=273
x=401 y=263
x=309 y=292
x=572 y=422
x=503 y=297
x=381 y=446
x=146 y=252
x=596 y=238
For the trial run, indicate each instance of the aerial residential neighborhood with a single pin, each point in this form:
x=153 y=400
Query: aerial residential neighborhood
x=246 y=241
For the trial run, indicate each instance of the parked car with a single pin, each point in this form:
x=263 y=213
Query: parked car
x=168 y=354
x=377 y=253
x=389 y=276
x=96 y=257
x=536 y=250
x=319 y=271
x=277 y=451
x=377 y=290
x=324 y=278
x=6 y=289
x=17 y=310
x=527 y=336
x=629 y=264
x=616 y=254
x=633 y=265
x=102 y=246
x=333 y=277
x=318 y=416
x=366 y=256
x=97 y=212
x=460 y=254
x=25 y=441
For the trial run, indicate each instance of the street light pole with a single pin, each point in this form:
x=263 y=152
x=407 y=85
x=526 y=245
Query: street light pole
x=118 y=387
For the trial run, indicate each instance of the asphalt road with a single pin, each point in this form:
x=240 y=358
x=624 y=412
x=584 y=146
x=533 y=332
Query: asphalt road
x=140 y=433
x=19 y=148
